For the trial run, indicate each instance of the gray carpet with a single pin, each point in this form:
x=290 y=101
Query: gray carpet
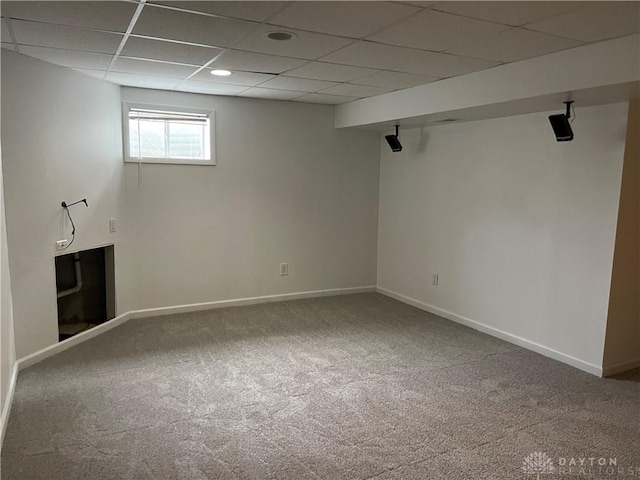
x=349 y=387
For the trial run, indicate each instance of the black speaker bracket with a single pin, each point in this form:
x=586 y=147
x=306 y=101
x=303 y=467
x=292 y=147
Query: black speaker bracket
x=568 y=104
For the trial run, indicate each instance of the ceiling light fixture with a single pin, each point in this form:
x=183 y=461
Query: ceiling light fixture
x=281 y=36
x=220 y=73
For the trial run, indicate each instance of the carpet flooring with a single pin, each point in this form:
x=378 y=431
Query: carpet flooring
x=346 y=387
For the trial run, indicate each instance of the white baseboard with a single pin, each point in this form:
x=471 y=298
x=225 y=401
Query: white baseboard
x=154 y=312
x=522 y=342
x=8 y=400
x=621 y=367
x=46 y=352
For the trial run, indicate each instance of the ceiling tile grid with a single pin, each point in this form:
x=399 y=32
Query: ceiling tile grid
x=248 y=79
x=508 y=13
x=257 y=92
x=307 y=45
x=436 y=31
x=169 y=51
x=211 y=88
x=341 y=51
x=143 y=81
x=330 y=72
x=256 y=62
x=149 y=67
x=347 y=19
x=359 y=91
x=297 y=84
x=60 y=36
x=513 y=45
x=190 y=27
x=445 y=65
x=69 y=58
x=255 y=11
x=395 y=80
x=324 y=99
x=594 y=21
x=111 y=16
x=376 y=55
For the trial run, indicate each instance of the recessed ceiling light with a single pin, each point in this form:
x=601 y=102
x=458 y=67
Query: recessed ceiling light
x=220 y=73
x=281 y=36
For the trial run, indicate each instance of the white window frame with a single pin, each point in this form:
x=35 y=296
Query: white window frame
x=127 y=106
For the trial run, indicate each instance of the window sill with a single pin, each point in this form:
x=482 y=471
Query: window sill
x=171 y=161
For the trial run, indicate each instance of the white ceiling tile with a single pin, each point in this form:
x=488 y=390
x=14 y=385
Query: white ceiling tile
x=349 y=19
x=68 y=58
x=597 y=21
x=58 y=36
x=375 y=55
x=297 y=84
x=190 y=27
x=168 y=51
x=257 y=11
x=444 y=65
x=8 y=46
x=330 y=72
x=257 y=92
x=256 y=62
x=247 y=79
x=113 y=16
x=324 y=99
x=349 y=90
x=513 y=45
x=510 y=13
x=437 y=31
x=142 y=81
x=149 y=67
x=210 y=88
x=304 y=45
x=395 y=80
x=6 y=38
x=91 y=73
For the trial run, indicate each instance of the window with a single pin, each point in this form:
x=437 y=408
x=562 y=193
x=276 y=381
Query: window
x=161 y=134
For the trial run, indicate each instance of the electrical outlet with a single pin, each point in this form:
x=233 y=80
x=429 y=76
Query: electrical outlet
x=112 y=225
x=284 y=269
x=434 y=280
x=62 y=244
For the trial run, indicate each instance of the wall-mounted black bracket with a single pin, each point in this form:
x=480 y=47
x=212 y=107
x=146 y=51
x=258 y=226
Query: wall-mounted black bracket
x=67 y=205
x=568 y=104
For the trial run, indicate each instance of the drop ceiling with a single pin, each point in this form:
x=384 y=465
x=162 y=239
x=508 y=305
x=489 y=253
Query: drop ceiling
x=341 y=51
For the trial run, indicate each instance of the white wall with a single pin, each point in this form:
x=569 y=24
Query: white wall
x=287 y=187
x=61 y=139
x=7 y=342
x=519 y=228
x=622 y=346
